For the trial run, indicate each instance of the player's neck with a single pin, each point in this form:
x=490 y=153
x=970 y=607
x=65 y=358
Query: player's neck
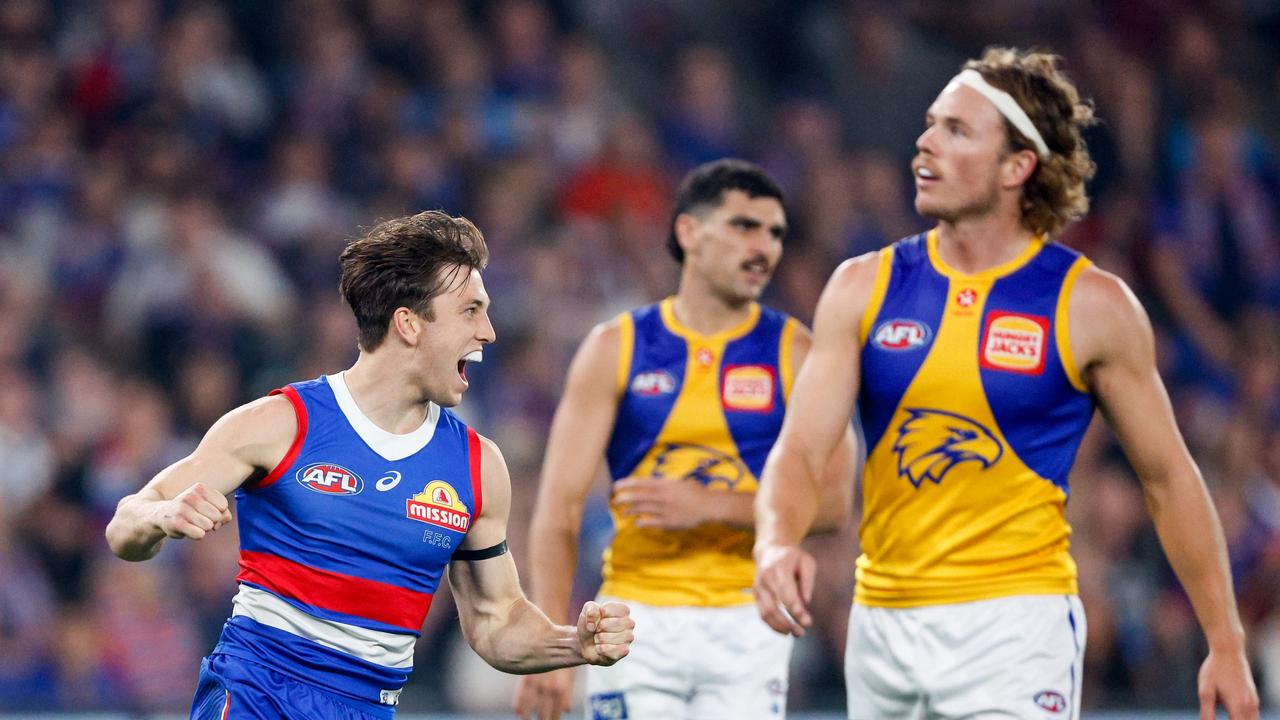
x=706 y=314
x=380 y=393
x=972 y=245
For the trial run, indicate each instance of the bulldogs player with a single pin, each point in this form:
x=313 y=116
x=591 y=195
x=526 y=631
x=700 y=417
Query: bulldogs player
x=354 y=492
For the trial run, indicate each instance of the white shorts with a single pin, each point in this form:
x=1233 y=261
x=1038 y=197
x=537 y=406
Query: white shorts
x=694 y=663
x=1014 y=657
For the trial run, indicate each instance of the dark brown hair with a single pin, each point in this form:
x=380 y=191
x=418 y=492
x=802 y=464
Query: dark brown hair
x=1054 y=196
x=406 y=262
x=704 y=187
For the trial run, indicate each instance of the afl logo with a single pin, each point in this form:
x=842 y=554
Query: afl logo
x=330 y=479
x=1051 y=701
x=896 y=335
x=654 y=382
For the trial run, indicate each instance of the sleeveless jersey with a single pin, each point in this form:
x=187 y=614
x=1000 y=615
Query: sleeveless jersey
x=345 y=541
x=973 y=409
x=693 y=408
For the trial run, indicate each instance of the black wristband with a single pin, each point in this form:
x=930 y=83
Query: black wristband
x=485 y=554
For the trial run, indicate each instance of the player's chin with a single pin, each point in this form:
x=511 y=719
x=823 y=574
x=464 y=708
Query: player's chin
x=930 y=208
x=452 y=397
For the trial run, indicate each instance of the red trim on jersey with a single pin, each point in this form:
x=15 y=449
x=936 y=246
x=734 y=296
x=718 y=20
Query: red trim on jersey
x=300 y=410
x=336 y=592
x=477 y=491
x=226 y=707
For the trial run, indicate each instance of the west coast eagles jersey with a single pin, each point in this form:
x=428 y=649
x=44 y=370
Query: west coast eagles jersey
x=973 y=409
x=694 y=408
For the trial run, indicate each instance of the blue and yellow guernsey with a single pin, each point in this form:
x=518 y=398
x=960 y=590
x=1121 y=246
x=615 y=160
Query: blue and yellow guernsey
x=973 y=409
x=699 y=408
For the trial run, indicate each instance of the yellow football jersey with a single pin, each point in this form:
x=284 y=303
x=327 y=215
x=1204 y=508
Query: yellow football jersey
x=694 y=408
x=973 y=409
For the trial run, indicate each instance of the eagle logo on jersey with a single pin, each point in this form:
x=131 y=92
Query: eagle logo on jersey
x=931 y=442
x=708 y=466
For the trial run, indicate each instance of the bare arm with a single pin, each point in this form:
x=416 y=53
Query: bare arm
x=575 y=447
x=188 y=498
x=835 y=506
x=1116 y=348
x=817 y=418
x=499 y=622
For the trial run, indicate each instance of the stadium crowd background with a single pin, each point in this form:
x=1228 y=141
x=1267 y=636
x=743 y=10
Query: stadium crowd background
x=177 y=179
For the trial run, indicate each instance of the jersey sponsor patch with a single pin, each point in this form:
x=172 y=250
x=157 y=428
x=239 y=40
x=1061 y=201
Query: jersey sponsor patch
x=654 y=382
x=748 y=388
x=901 y=334
x=608 y=706
x=330 y=479
x=1052 y=701
x=438 y=505
x=1014 y=342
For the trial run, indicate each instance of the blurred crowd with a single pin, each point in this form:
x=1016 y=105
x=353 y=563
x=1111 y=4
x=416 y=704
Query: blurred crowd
x=177 y=178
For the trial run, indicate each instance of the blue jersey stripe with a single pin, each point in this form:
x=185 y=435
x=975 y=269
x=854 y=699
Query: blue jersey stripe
x=658 y=363
x=754 y=430
x=913 y=303
x=1041 y=415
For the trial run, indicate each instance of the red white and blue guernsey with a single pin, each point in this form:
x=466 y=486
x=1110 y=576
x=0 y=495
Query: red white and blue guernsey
x=345 y=541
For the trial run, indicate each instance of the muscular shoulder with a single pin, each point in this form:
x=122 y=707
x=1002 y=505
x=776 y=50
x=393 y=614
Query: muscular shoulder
x=258 y=433
x=847 y=295
x=1107 y=320
x=605 y=337
x=597 y=365
x=856 y=274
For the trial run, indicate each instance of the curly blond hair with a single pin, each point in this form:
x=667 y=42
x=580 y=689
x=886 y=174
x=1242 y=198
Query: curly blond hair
x=1054 y=196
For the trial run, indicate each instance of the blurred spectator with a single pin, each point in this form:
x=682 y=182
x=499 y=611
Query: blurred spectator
x=1217 y=256
x=177 y=179
x=25 y=451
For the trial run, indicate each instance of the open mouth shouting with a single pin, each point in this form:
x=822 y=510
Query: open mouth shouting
x=473 y=356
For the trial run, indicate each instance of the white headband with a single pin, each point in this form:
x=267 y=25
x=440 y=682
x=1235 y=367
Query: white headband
x=1007 y=106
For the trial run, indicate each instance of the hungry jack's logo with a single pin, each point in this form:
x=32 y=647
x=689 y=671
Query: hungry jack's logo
x=1014 y=342
x=748 y=388
x=438 y=505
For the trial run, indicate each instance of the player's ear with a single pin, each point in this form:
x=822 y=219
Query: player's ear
x=1016 y=169
x=686 y=231
x=407 y=325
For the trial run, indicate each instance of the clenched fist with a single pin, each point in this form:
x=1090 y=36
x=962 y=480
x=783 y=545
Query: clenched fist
x=604 y=631
x=195 y=512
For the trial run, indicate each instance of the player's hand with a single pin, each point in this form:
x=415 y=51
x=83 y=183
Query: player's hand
x=784 y=587
x=662 y=503
x=545 y=695
x=1225 y=678
x=604 y=631
x=194 y=513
